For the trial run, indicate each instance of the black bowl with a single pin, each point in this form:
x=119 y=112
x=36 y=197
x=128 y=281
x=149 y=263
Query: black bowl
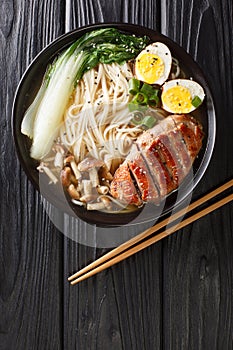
x=28 y=88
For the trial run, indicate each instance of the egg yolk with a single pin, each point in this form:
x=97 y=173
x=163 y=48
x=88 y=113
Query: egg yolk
x=150 y=67
x=178 y=99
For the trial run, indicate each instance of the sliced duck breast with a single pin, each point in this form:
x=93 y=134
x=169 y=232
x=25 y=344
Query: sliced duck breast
x=159 y=160
x=123 y=188
x=141 y=174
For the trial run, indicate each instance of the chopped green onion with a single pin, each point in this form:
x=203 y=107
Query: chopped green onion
x=196 y=101
x=154 y=100
x=134 y=86
x=148 y=89
x=136 y=107
x=149 y=121
x=137 y=118
x=140 y=98
x=144 y=96
x=133 y=107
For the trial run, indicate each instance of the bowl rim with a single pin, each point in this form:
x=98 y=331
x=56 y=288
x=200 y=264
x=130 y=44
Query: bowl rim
x=65 y=39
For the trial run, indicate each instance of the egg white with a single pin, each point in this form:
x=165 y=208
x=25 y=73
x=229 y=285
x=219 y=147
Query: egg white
x=193 y=87
x=162 y=51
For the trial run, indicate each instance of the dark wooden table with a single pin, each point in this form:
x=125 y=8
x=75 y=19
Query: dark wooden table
x=177 y=294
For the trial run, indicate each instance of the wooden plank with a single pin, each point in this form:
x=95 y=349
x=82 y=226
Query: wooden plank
x=144 y=12
x=198 y=261
x=30 y=246
x=119 y=308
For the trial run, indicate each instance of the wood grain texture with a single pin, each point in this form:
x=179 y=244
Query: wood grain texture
x=108 y=305
x=30 y=247
x=81 y=13
x=198 y=278
x=176 y=295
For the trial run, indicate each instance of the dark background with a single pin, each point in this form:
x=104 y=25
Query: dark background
x=177 y=294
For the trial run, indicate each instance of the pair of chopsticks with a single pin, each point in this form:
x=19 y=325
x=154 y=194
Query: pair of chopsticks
x=129 y=248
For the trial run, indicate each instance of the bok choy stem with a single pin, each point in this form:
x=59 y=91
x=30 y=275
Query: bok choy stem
x=45 y=115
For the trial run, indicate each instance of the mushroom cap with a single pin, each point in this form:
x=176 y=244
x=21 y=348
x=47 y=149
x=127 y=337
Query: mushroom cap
x=66 y=176
x=69 y=159
x=89 y=163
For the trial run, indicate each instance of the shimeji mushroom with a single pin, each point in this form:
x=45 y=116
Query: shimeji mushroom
x=91 y=165
x=88 y=163
x=87 y=187
x=66 y=176
x=86 y=198
x=73 y=192
x=70 y=160
x=95 y=206
x=103 y=189
x=59 y=156
x=44 y=169
x=107 y=202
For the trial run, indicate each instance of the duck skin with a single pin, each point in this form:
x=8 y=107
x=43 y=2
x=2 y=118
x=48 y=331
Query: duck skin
x=158 y=161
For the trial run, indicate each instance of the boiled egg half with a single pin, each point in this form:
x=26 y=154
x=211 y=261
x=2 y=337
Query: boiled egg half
x=181 y=96
x=153 y=64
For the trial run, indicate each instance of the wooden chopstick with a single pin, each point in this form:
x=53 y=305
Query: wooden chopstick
x=95 y=267
x=155 y=239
